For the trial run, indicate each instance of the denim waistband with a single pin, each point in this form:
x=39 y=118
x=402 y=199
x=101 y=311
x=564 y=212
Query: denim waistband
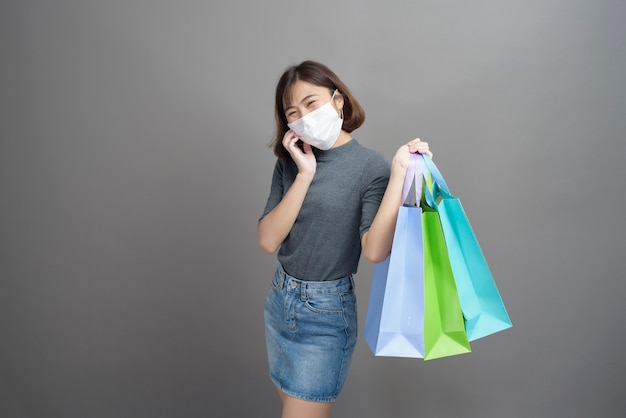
x=284 y=280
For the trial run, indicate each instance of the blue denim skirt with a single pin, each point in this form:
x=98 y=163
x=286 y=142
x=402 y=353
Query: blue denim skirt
x=310 y=332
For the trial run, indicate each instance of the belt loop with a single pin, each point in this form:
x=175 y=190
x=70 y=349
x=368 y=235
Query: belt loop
x=281 y=277
x=303 y=295
x=281 y=280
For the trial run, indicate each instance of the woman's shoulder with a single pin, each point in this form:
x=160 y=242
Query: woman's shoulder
x=371 y=157
x=368 y=165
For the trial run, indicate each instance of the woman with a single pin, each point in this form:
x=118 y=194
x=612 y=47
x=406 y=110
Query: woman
x=330 y=199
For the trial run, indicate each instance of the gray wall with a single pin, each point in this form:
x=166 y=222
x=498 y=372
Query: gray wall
x=133 y=168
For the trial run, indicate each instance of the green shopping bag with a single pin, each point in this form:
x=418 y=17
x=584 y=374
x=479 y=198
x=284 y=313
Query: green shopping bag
x=444 y=326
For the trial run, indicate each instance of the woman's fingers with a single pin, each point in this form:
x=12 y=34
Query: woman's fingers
x=289 y=139
x=419 y=146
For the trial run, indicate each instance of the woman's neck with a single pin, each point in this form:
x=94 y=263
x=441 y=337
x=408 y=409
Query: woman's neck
x=344 y=137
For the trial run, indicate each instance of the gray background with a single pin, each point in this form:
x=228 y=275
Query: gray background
x=134 y=166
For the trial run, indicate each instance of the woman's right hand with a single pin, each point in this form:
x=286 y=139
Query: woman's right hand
x=304 y=158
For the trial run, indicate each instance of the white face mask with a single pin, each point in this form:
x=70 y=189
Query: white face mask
x=320 y=128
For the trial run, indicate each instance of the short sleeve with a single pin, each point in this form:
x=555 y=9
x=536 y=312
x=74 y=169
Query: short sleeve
x=373 y=193
x=276 y=189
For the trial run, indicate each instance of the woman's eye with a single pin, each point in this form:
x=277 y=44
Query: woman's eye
x=309 y=104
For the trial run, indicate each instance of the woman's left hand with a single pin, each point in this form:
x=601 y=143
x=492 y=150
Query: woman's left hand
x=400 y=161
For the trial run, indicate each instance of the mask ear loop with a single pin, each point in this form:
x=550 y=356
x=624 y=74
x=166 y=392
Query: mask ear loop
x=333 y=98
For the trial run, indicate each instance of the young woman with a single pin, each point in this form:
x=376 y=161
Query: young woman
x=331 y=199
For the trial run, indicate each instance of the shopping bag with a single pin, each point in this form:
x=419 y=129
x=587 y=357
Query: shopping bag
x=481 y=303
x=444 y=327
x=394 y=325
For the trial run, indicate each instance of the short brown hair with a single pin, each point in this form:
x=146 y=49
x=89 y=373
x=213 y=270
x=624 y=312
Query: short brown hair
x=319 y=75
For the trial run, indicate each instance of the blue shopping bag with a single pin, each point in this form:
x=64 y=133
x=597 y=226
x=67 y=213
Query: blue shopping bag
x=394 y=325
x=481 y=303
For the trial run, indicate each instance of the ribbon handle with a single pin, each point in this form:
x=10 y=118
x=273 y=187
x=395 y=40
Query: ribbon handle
x=413 y=179
x=439 y=185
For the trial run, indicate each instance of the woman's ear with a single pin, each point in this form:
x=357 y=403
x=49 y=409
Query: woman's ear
x=338 y=101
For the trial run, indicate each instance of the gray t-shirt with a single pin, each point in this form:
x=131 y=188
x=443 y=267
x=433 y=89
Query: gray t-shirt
x=340 y=205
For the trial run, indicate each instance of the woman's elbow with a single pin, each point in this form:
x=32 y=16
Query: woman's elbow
x=267 y=246
x=265 y=241
x=375 y=256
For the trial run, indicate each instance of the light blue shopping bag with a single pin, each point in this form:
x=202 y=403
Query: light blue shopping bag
x=394 y=325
